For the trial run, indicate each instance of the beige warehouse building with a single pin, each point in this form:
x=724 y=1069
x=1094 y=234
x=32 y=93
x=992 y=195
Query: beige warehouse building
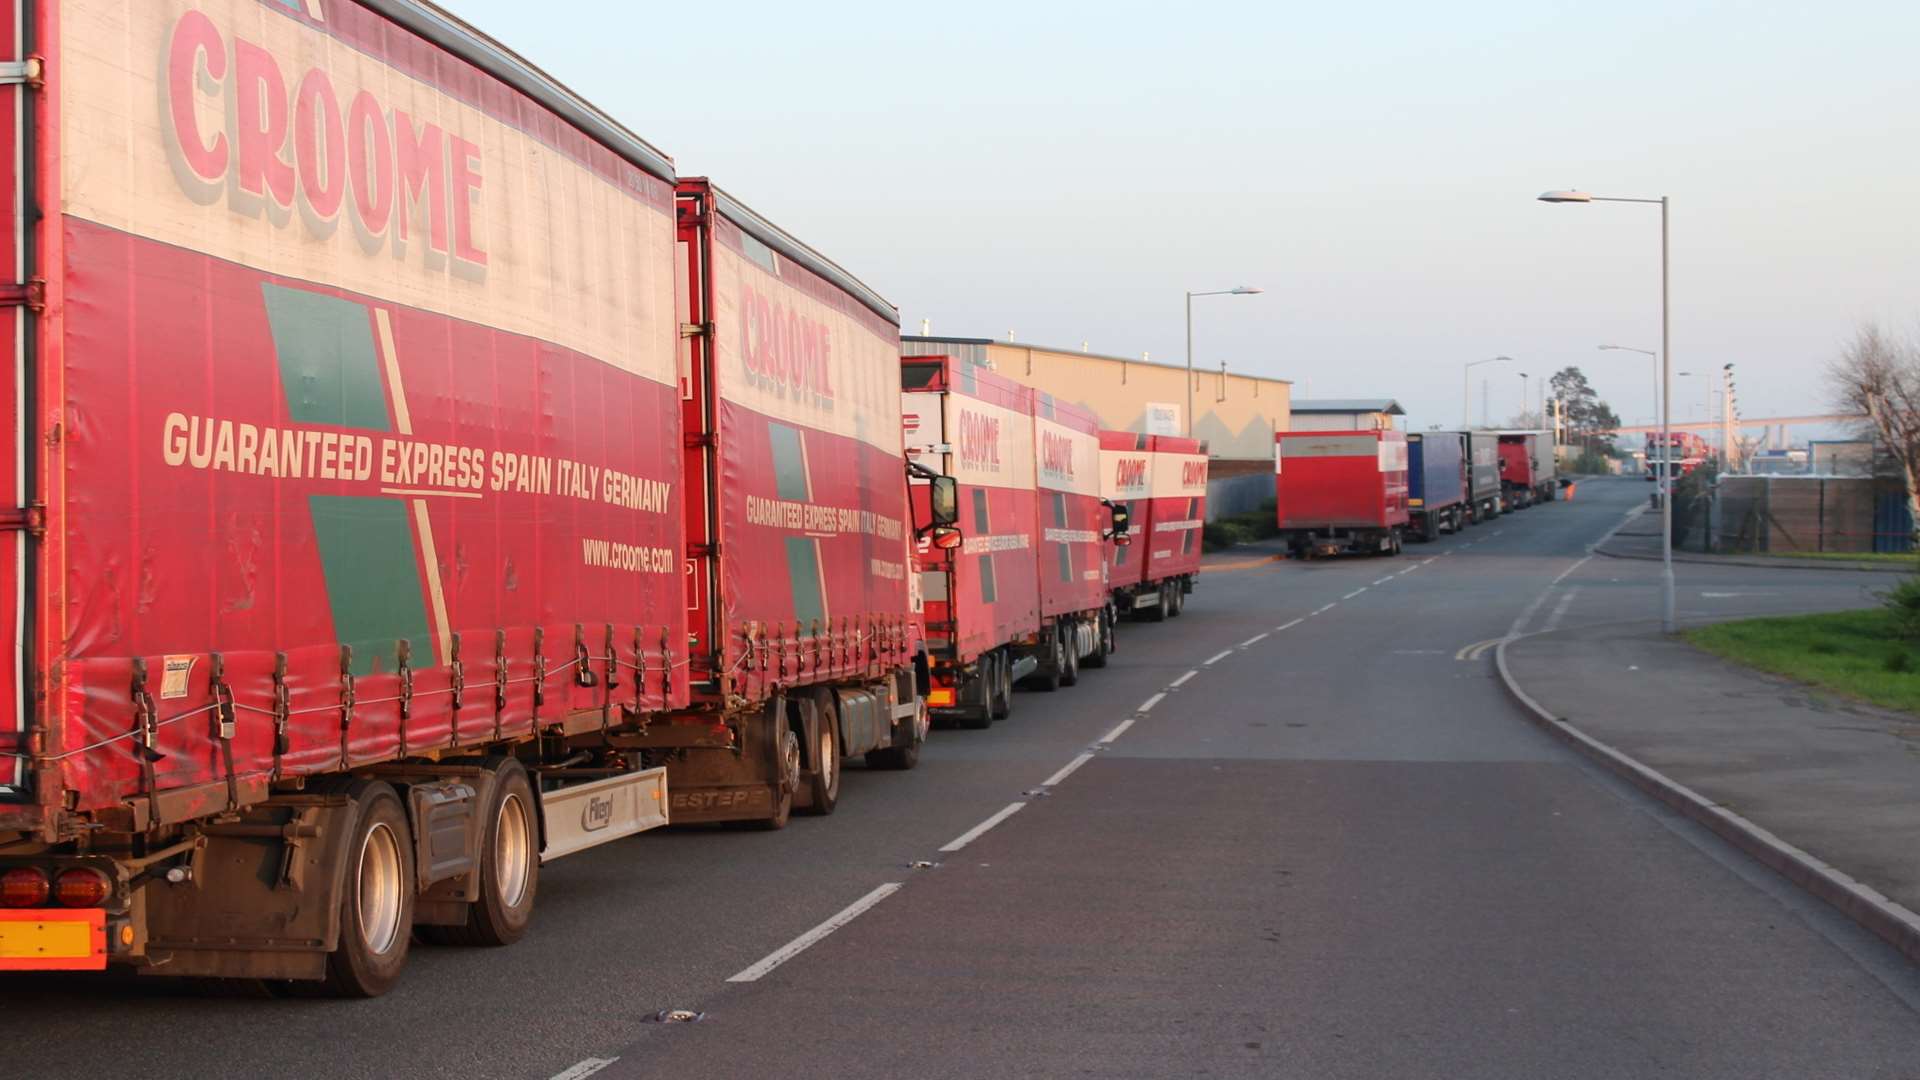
x=1236 y=414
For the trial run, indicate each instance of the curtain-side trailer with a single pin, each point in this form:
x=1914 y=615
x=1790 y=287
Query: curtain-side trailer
x=414 y=476
x=800 y=637
x=1341 y=492
x=1076 y=618
x=1160 y=482
x=981 y=596
x=350 y=524
x=1484 y=473
x=1437 y=483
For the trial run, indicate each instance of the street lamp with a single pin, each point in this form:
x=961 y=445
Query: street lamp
x=1238 y=290
x=1524 y=399
x=1656 y=368
x=1466 y=388
x=1668 y=623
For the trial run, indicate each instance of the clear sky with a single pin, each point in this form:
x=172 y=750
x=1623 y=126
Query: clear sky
x=1066 y=171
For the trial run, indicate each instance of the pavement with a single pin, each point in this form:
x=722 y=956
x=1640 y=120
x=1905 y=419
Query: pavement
x=1822 y=788
x=1302 y=831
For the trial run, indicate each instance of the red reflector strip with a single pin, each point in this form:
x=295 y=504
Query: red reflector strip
x=46 y=939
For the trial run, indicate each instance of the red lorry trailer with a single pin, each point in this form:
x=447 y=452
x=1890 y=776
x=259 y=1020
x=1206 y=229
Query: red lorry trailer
x=1161 y=483
x=1526 y=468
x=1340 y=492
x=1076 y=617
x=341 y=498
x=800 y=644
x=1176 y=513
x=981 y=595
x=351 y=495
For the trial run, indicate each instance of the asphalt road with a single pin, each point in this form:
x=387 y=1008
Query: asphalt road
x=1336 y=849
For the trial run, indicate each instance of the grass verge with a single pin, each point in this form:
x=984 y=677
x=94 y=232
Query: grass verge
x=1889 y=557
x=1857 y=653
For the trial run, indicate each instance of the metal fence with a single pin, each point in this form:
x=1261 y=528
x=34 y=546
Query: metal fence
x=1794 y=514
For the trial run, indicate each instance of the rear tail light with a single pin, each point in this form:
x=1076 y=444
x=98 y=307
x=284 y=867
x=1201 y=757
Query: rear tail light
x=24 y=886
x=81 y=887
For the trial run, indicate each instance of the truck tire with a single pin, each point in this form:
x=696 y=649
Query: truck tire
x=824 y=783
x=376 y=897
x=1158 y=612
x=898 y=758
x=1103 y=641
x=1003 y=684
x=790 y=767
x=509 y=865
x=1177 y=597
x=1071 y=676
x=1048 y=677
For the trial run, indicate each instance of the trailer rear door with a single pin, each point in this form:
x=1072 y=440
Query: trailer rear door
x=15 y=99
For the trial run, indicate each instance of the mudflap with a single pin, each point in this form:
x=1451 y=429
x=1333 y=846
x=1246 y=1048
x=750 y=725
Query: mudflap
x=262 y=900
x=741 y=783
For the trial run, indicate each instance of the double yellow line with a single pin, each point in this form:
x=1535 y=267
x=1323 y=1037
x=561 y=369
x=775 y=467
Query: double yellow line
x=1478 y=649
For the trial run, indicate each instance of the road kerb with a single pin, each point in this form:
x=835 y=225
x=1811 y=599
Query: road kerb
x=1865 y=905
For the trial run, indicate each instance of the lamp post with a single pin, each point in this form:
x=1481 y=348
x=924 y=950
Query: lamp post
x=1238 y=290
x=1524 y=399
x=1466 y=387
x=1668 y=622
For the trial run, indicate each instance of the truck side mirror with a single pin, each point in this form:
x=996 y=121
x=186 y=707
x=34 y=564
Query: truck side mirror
x=1122 y=517
x=943 y=500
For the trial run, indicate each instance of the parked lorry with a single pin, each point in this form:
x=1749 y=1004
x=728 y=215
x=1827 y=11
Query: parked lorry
x=1076 y=616
x=354 y=455
x=1437 y=483
x=1526 y=468
x=1484 y=473
x=799 y=649
x=981 y=595
x=1341 y=492
x=1159 y=483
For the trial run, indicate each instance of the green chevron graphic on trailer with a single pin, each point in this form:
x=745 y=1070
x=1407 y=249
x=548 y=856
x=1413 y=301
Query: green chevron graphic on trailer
x=1065 y=550
x=803 y=552
x=330 y=373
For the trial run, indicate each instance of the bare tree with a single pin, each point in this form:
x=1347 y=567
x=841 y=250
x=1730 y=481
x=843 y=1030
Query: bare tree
x=1879 y=375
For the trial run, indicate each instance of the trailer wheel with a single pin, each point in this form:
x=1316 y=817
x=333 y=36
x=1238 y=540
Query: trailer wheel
x=1177 y=598
x=788 y=780
x=825 y=781
x=1071 y=676
x=1158 y=612
x=899 y=758
x=1001 y=700
x=1103 y=641
x=1048 y=677
x=1394 y=544
x=509 y=865
x=376 y=897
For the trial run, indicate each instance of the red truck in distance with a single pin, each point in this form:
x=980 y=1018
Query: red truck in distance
x=1527 y=468
x=1341 y=492
x=1161 y=482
